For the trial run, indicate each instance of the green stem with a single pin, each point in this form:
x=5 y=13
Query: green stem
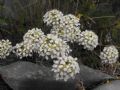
x=103 y=17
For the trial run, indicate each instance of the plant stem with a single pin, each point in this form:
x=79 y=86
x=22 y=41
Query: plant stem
x=103 y=17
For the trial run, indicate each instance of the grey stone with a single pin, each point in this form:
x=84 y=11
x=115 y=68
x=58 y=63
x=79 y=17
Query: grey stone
x=114 y=85
x=90 y=76
x=26 y=75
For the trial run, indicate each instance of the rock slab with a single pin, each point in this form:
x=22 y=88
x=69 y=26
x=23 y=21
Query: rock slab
x=23 y=75
x=114 y=85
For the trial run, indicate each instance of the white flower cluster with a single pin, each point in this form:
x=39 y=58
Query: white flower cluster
x=5 y=48
x=109 y=54
x=69 y=21
x=23 y=49
x=52 y=17
x=53 y=47
x=88 y=39
x=32 y=40
x=68 y=29
x=66 y=34
x=34 y=36
x=65 y=68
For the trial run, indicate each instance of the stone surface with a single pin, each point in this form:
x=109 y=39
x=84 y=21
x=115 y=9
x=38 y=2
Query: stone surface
x=90 y=76
x=26 y=75
x=114 y=85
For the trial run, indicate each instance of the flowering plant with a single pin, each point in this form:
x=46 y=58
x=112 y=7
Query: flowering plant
x=55 y=45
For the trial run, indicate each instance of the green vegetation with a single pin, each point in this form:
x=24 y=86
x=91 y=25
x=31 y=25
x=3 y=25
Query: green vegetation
x=101 y=16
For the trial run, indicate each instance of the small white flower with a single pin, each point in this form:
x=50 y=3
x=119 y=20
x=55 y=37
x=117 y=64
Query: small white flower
x=69 y=21
x=109 y=54
x=52 y=17
x=34 y=36
x=53 y=47
x=88 y=39
x=5 y=48
x=69 y=35
x=23 y=49
x=65 y=67
x=68 y=29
